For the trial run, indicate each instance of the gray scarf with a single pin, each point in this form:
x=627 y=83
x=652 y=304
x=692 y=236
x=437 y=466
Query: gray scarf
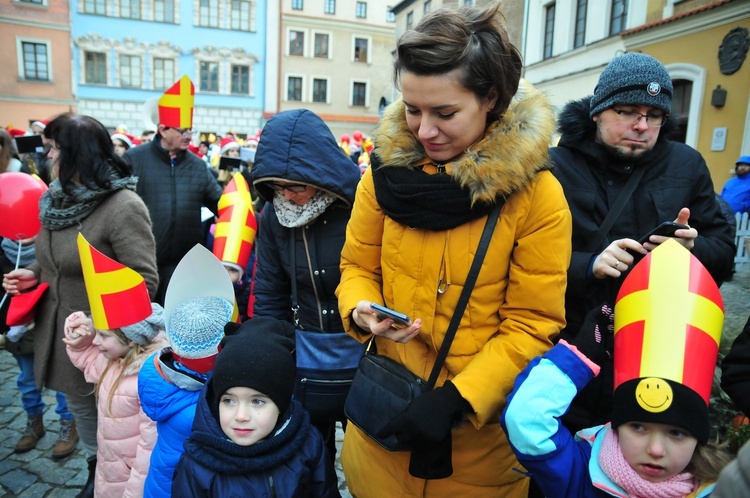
x=10 y=248
x=58 y=210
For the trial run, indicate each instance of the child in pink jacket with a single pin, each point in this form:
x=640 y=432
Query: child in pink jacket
x=111 y=360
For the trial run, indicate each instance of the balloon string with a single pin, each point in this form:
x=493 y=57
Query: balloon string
x=18 y=262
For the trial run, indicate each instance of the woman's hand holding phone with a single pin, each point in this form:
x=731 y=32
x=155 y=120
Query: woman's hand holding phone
x=368 y=319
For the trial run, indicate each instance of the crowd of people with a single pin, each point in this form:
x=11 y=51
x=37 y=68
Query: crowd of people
x=170 y=335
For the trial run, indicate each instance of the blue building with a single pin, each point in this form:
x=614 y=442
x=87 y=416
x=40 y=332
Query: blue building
x=126 y=52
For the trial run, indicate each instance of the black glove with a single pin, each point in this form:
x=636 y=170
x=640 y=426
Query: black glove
x=426 y=426
x=596 y=338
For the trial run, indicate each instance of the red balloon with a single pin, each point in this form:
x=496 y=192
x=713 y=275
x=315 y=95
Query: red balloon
x=19 y=205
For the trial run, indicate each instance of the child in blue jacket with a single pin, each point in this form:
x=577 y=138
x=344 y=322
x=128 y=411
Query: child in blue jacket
x=249 y=437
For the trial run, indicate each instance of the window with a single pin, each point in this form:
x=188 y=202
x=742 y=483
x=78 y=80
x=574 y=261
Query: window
x=95 y=7
x=320 y=90
x=321 y=45
x=410 y=19
x=683 y=89
x=468 y=2
x=240 y=18
x=241 y=79
x=130 y=71
x=297 y=43
x=294 y=88
x=549 y=29
x=163 y=73
x=297 y=4
x=164 y=10
x=389 y=15
x=619 y=16
x=208 y=14
x=359 y=93
x=36 y=2
x=361 y=9
x=96 y=68
x=330 y=6
x=360 y=49
x=35 y=61
x=209 y=76
x=580 y=33
x=427 y=5
x=130 y=9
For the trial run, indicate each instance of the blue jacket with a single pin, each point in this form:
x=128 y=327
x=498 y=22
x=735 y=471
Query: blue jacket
x=298 y=147
x=563 y=466
x=291 y=463
x=737 y=193
x=168 y=396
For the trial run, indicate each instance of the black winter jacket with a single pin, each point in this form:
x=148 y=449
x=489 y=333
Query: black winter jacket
x=735 y=371
x=676 y=176
x=298 y=147
x=174 y=192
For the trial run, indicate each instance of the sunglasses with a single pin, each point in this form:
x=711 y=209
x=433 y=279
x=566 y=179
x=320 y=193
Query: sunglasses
x=296 y=188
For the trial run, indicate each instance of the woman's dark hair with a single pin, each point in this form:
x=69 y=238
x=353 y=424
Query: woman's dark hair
x=7 y=150
x=86 y=152
x=471 y=39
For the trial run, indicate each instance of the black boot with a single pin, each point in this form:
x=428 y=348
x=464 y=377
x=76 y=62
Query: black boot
x=88 y=488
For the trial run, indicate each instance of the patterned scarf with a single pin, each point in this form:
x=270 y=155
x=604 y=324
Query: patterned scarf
x=58 y=210
x=613 y=463
x=291 y=215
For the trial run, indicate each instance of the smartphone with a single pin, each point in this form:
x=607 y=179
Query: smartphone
x=666 y=229
x=229 y=163
x=399 y=319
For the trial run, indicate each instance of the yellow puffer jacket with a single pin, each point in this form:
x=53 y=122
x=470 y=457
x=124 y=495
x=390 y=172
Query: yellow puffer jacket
x=516 y=307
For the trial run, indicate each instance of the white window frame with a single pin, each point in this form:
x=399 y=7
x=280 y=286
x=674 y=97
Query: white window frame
x=697 y=75
x=19 y=57
x=288 y=42
x=368 y=86
x=369 y=48
x=312 y=88
x=330 y=43
x=303 y=91
x=118 y=75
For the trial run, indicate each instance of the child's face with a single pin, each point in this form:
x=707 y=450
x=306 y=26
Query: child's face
x=234 y=274
x=110 y=345
x=656 y=451
x=246 y=416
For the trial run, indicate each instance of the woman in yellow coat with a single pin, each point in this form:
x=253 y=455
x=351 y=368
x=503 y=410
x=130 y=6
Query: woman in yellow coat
x=467 y=134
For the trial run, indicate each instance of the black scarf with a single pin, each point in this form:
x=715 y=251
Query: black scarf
x=419 y=200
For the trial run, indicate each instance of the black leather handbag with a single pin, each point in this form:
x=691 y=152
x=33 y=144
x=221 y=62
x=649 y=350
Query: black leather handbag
x=383 y=388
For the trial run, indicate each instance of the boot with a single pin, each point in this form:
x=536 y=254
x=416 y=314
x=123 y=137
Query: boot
x=66 y=442
x=34 y=431
x=88 y=488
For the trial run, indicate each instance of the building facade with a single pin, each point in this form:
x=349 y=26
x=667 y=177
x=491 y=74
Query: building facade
x=36 y=81
x=335 y=59
x=127 y=52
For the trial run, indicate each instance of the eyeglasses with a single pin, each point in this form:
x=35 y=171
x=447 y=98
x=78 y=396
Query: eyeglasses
x=295 y=188
x=631 y=117
x=183 y=131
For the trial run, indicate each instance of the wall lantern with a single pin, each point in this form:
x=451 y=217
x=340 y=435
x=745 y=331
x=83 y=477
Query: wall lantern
x=719 y=96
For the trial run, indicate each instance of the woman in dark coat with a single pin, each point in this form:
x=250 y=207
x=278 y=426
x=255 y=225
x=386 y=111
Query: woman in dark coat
x=309 y=185
x=94 y=194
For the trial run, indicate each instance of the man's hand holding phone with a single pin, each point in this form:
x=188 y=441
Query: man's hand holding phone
x=385 y=322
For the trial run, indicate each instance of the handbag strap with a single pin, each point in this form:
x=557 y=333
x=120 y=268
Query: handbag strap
x=471 y=279
x=293 y=270
x=616 y=209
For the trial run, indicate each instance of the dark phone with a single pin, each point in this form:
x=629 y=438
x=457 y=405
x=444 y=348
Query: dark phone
x=399 y=319
x=666 y=229
x=32 y=143
x=230 y=163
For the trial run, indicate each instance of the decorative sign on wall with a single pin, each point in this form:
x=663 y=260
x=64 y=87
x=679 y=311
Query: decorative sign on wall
x=733 y=50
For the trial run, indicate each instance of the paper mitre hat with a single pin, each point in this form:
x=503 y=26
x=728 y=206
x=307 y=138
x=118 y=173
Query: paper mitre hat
x=118 y=295
x=237 y=225
x=198 y=304
x=669 y=315
x=176 y=105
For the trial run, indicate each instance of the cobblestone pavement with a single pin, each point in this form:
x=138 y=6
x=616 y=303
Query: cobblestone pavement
x=35 y=474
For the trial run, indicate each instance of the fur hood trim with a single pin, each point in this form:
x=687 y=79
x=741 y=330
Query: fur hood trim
x=511 y=153
x=149 y=349
x=576 y=126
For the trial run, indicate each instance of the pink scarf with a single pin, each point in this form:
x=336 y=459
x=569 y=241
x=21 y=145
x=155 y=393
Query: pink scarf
x=613 y=464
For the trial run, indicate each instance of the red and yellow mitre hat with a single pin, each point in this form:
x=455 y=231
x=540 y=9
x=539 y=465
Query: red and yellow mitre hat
x=176 y=105
x=118 y=296
x=237 y=225
x=669 y=315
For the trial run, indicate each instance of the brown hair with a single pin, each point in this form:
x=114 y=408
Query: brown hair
x=7 y=150
x=471 y=39
x=708 y=460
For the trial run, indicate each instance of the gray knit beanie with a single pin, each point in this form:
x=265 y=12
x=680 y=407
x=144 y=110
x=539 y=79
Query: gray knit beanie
x=144 y=331
x=633 y=79
x=196 y=326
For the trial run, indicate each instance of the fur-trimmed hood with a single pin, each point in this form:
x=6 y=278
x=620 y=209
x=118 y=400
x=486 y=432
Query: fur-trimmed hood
x=511 y=153
x=575 y=125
